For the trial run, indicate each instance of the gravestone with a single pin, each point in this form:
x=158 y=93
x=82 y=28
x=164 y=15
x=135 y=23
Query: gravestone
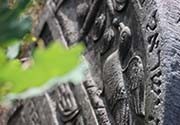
x=133 y=51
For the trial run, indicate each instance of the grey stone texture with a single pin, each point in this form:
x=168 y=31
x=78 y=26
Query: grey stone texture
x=133 y=51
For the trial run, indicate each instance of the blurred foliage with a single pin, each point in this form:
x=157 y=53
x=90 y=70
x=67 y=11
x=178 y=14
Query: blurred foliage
x=22 y=68
x=34 y=10
x=47 y=63
x=12 y=25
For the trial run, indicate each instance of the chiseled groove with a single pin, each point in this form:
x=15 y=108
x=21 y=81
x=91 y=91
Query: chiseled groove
x=52 y=108
x=90 y=18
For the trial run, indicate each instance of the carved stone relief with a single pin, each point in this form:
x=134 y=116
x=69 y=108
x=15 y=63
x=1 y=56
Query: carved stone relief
x=34 y=111
x=82 y=10
x=125 y=43
x=72 y=23
x=119 y=4
x=133 y=73
x=97 y=102
x=154 y=66
x=99 y=27
x=124 y=49
x=68 y=111
x=135 y=85
x=108 y=39
x=114 y=90
x=68 y=107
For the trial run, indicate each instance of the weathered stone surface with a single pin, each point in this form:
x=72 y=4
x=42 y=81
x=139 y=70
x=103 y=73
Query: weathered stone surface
x=60 y=105
x=132 y=47
x=35 y=111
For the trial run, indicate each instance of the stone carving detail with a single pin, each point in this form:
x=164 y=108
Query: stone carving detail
x=133 y=74
x=119 y=5
x=108 y=39
x=153 y=49
x=153 y=42
x=114 y=90
x=152 y=24
x=156 y=80
x=127 y=49
x=82 y=10
x=135 y=85
x=91 y=16
x=140 y=3
x=68 y=107
x=66 y=20
x=110 y=5
x=125 y=32
x=98 y=27
x=125 y=42
x=75 y=25
x=33 y=111
x=97 y=102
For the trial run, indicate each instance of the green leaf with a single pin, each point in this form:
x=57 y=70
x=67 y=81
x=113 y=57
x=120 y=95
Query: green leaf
x=54 y=61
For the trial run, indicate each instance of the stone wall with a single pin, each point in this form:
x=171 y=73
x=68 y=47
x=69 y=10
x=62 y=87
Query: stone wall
x=132 y=47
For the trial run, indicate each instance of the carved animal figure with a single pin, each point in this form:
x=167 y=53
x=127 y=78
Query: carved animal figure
x=146 y=33
x=114 y=89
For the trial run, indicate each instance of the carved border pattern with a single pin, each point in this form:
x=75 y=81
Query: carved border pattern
x=155 y=71
x=97 y=102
